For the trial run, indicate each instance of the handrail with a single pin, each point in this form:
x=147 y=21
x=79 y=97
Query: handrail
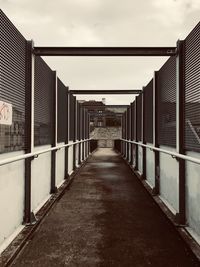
x=173 y=154
x=37 y=153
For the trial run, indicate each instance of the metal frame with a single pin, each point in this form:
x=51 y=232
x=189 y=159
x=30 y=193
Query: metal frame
x=75 y=131
x=143 y=137
x=67 y=137
x=180 y=137
x=156 y=189
x=136 y=137
x=106 y=92
x=105 y=51
x=132 y=133
x=29 y=217
x=54 y=135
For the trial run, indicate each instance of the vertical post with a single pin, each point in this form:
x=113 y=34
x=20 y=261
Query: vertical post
x=156 y=188
x=126 y=134
x=67 y=134
x=54 y=135
x=83 y=133
x=131 y=134
x=133 y=130
x=122 y=142
x=79 y=132
x=136 y=135
x=180 y=121
x=29 y=217
x=74 y=137
x=143 y=136
x=88 y=136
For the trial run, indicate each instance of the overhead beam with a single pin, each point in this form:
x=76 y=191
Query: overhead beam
x=105 y=92
x=103 y=106
x=105 y=51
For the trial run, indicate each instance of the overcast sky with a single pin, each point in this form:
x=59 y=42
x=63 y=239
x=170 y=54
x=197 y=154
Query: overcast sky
x=104 y=23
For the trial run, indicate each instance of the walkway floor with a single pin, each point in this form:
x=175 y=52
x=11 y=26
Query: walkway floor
x=106 y=218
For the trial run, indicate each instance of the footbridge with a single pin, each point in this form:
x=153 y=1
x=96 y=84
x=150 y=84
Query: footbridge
x=66 y=202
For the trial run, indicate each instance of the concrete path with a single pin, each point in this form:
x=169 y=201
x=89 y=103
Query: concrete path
x=106 y=218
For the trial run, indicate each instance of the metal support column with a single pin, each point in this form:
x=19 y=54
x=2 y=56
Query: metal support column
x=67 y=136
x=75 y=131
x=83 y=133
x=29 y=217
x=88 y=135
x=122 y=142
x=131 y=137
x=126 y=120
x=79 y=132
x=156 y=188
x=180 y=121
x=85 y=122
x=54 y=136
x=136 y=137
x=143 y=137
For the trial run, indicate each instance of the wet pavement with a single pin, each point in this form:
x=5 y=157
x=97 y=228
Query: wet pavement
x=106 y=218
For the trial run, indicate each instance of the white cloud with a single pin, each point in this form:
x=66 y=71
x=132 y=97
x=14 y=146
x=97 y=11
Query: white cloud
x=104 y=23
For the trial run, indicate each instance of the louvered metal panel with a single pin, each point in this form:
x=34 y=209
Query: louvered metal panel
x=123 y=126
x=167 y=103
x=128 y=123
x=12 y=84
x=78 y=121
x=62 y=111
x=192 y=90
x=72 y=117
x=148 y=112
x=133 y=121
x=139 y=117
x=43 y=103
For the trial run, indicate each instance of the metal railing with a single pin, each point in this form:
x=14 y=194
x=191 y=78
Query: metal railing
x=37 y=153
x=173 y=154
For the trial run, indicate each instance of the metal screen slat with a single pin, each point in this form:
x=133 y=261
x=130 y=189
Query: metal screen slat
x=43 y=103
x=192 y=90
x=133 y=121
x=71 y=117
x=148 y=116
x=62 y=111
x=139 y=117
x=167 y=103
x=12 y=84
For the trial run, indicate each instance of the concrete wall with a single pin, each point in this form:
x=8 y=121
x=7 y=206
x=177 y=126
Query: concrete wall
x=41 y=178
x=106 y=133
x=11 y=197
x=193 y=195
x=169 y=180
x=60 y=165
x=105 y=143
x=150 y=166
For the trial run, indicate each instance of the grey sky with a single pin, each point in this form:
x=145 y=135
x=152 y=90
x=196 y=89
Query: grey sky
x=104 y=23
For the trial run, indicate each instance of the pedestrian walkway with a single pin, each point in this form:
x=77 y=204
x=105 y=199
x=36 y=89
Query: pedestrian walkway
x=106 y=218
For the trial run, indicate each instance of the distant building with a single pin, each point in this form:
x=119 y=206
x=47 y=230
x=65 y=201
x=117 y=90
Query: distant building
x=96 y=110
x=102 y=115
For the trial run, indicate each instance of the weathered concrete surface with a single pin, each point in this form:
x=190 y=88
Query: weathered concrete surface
x=106 y=218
